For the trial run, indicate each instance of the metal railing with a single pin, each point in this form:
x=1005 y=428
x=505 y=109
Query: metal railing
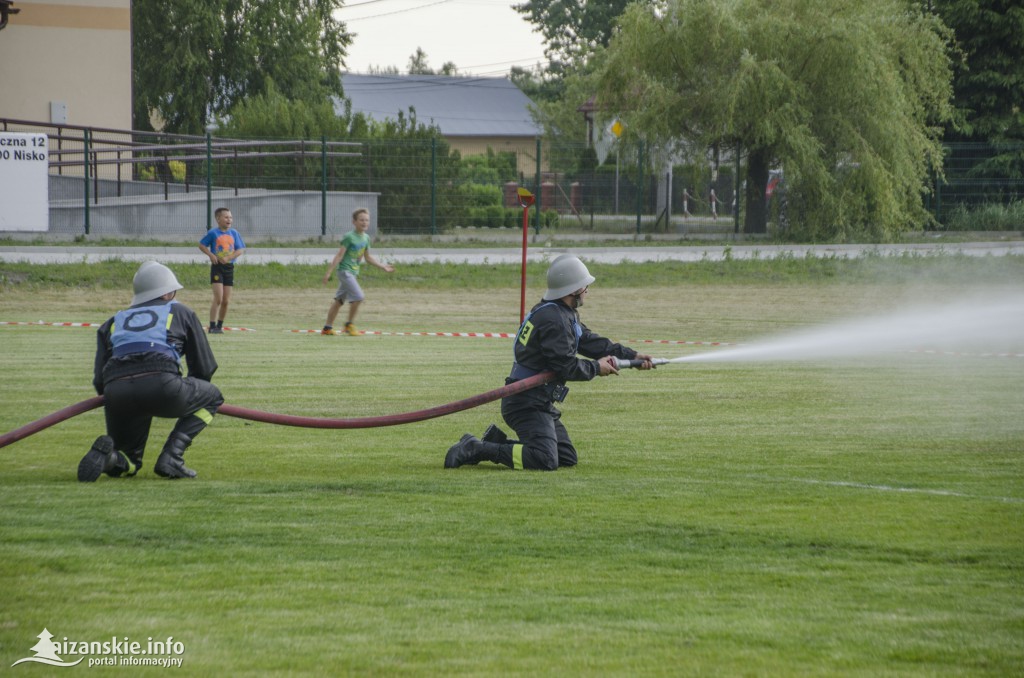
x=419 y=186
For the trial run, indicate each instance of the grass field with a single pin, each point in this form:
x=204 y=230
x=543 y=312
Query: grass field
x=857 y=517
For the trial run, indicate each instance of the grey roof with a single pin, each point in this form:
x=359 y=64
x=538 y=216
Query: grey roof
x=459 y=106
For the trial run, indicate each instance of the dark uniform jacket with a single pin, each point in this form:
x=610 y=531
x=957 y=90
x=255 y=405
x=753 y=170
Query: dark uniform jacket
x=552 y=337
x=185 y=335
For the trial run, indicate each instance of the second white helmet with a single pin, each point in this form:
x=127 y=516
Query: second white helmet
x=566 y=275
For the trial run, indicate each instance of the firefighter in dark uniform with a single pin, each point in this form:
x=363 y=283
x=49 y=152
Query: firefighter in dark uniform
x=138 y=371
x=550 y=338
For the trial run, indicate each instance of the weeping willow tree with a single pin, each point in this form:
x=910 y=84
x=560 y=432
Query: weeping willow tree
x=846 y=97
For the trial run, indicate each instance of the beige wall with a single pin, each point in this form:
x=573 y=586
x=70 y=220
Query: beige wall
x=73 y=51
x=525 y=150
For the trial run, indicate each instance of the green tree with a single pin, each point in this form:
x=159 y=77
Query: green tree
x=988 y=85
x=271 y=115
x=988 y=82
x=572 y=31
x=420 y=65
x=193 y=60
x=846 y=97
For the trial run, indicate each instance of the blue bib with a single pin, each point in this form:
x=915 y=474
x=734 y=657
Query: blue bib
x=143 y=330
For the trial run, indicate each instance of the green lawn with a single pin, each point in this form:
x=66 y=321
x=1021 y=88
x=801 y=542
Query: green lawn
x=859 y=517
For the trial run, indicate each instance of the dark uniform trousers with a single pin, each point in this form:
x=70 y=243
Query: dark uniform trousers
x=132 y=402
x=538 y=424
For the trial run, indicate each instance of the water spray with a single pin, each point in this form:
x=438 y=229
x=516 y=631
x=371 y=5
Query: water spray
x=984 y=320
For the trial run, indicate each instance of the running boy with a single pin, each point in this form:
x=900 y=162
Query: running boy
x=222 y=245
x=355 y=247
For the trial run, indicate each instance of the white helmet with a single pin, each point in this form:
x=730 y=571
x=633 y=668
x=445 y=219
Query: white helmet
x=153 y=280
x=566 y=275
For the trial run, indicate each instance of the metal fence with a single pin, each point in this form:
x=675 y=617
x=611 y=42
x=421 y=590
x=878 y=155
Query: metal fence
x=139 y=184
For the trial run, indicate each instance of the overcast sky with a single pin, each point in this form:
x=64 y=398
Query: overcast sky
x=482 y=37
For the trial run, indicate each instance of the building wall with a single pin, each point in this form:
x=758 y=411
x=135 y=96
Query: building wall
x=525 y=150
x=75 y=52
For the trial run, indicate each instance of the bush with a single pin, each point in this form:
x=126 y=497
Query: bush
x=549 y=219
x=987 y=217
x=495 y=216
x=479 y=195
x=491 y=216
x=177 y=169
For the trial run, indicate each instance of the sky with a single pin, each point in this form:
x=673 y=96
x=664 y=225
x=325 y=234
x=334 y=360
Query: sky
x=482 y=37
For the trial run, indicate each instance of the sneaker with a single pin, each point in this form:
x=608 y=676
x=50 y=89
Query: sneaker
x=215 y=330
x=328 y=331
x=351 y=330
x=96 y=460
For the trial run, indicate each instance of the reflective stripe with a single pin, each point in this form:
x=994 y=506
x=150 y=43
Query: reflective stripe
x=525 y=331
x=204 y=415
x=523 y=337
x=170 y=317
x=517 y=457
x=132 y=468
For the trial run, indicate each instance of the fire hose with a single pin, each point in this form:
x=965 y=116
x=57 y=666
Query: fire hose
x=317 y=422
x=304 y=422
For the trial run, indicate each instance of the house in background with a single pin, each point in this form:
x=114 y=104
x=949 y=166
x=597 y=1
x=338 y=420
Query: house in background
x=473 y=113
x=68 y=62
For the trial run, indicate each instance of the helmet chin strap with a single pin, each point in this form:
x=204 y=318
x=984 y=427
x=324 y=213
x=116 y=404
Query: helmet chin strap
x=577 y=299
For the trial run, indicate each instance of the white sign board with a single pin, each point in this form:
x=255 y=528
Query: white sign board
x=24 y=182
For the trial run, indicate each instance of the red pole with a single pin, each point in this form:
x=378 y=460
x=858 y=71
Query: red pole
x=525 y=199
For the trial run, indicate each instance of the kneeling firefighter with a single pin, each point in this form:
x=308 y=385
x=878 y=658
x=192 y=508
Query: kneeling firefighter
x=138 y=372
x=550 y=338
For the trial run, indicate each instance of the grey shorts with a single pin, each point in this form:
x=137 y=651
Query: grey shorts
x=348 y=288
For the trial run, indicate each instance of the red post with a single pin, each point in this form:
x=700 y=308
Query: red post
x=525 y=199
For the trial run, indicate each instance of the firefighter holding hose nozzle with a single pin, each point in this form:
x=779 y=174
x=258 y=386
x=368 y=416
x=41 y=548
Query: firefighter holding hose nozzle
x=551 y=337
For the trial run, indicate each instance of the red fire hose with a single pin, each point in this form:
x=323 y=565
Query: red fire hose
x=305 y=422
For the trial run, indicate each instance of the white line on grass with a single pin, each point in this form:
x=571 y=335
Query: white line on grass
x=892 y=488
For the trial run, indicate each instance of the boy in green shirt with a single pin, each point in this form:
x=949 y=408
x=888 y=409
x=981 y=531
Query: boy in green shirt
x=355 y=247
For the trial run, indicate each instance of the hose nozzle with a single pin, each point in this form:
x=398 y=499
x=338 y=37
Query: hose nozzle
x=621 y=363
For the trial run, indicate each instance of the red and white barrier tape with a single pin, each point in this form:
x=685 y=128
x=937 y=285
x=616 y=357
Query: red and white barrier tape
x=483 y=335
x=677 y=343
x=43 y=323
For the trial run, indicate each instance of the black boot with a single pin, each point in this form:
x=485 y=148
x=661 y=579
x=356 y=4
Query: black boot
x=103 y=458
x=121 y=466
x=472 y=450
x=493 y=434
x=171 y=463
x=98 y=460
